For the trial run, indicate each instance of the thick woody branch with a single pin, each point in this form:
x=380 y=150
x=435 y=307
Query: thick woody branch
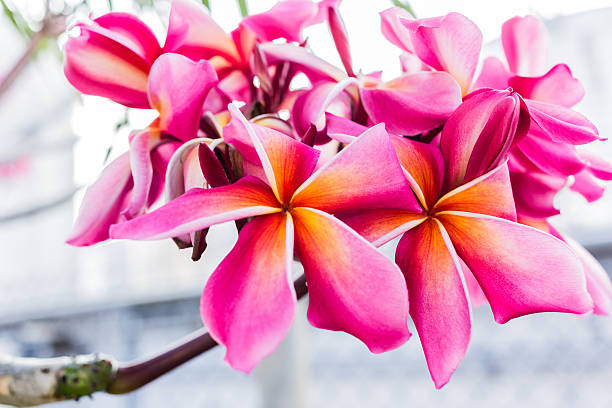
x=28 y=382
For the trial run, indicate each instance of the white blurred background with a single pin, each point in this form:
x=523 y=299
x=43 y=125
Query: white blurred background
x=130 y=299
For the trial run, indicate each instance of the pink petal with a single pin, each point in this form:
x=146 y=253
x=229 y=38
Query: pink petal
x=310 y=106
x=534 y=193
x=557 y=87
x=285 y=20
x=177 y=89
x=193 y=33
x=477 y=296
x=99 y=62
x=342 y=129
x=489 y=194
x=597 y=280
x=522 y=270
x=287 y=162
x=340 y=36
x=494 y=74
x=160 y=157
x=393 y=29
x=412 y=103
x=130 y=31
x=438 y=299
x=450 y=43
x=411 y=64
x=586 y=185
x=525 y=42
x=198 y=209
x=382 y=225
x=554 y=158
x=141 y=145
x=478 y=135
x=560 y=124
x=249 y=302
x=365 y=175
x=102 y=203
x=351 y=286
x=425 y=168
x=599 y=167
x=313 y=67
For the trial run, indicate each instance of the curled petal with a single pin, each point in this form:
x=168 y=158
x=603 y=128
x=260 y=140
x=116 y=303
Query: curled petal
x=525 y=42
x=560 y=124
x=351 y=286
x=249 y=302
x=199 y=209
x=131 y=32
x=412 y=103
x=193 y=33
x=599 y=167
x=102 y=203
x=100 y=62
x=521 y=270
x=479 y=134
x=494 y=74
x=310 y=106
x=554 y=158
x=364 y=176
x=177 y=89
x=393 y=29
x=340 y=36
x=439 y=303
x=557 y=87
x=450 y=43
x=141 y=145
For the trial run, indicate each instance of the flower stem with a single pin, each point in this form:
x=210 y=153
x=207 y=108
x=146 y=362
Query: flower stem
x=244 y=8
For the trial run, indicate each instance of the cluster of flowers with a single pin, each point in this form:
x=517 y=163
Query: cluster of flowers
x=464 y=169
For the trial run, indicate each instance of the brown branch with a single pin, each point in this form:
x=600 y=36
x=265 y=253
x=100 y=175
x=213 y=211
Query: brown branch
x=33 y=381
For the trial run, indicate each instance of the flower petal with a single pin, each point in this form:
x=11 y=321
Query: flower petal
x=478 y=135
x=438 y=299
x=198 y=209
x=557 y=87
x=96 y=63
x=489 y=194
x=534 y=193
x=450 y=43
x=586 y=185
x=554 y=158
x=381 y=226
x=522 y=270
x=286 y=19
x=393 y=29
x=494 y=74
x=525 y=42
x=177 y=89
x=141 y=145
x=102 y=203
x=412 y=103
x=249 y=301
x=193 y=33
x=365 y=175
x=560 y=124
x=313 y=67
x=425 y=167
x=351 y=286
x=287 y=162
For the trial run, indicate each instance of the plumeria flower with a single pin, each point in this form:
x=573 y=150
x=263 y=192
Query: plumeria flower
x=248 y=303
x=112 y=55
x=177 y=88
x=452 y=44
x=465 y=242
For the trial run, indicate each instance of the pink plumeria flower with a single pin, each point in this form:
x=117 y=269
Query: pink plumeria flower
x=177 y=88
x=465 y=242
x=248 y=303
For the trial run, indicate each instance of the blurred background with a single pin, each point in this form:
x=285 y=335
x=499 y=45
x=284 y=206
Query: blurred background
x=130 y=299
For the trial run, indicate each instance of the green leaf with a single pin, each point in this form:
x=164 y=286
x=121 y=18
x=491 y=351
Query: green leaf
x=244 y=8
x=405 y=5
x=206 y=3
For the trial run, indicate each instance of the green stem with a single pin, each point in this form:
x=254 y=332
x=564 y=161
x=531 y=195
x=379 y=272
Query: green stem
x=244 y=9
x=405 y=5
x=206 y=3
